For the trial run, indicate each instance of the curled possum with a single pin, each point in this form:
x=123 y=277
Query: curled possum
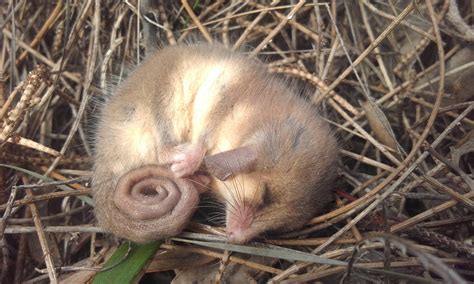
x=271 y=158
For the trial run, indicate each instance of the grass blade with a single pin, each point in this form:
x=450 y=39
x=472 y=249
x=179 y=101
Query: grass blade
x=127 y=263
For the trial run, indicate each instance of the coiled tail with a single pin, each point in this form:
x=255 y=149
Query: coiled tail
x=146 y=204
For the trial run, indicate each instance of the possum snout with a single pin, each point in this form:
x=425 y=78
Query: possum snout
x=239 y=221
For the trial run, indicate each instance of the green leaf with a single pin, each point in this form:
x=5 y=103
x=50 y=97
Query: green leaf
x=127 y=262
x=281 y=253
x=86 y=199
x=196 y=4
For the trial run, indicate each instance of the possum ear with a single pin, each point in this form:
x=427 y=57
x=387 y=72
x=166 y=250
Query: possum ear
x=228 y=163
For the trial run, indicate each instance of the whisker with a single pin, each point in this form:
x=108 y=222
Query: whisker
x=208 y=187
x=214 y=203
x=231 y=202
x=216 y=219
x=207 y=206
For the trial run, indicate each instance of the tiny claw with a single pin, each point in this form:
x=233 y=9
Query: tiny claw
x=187 y=159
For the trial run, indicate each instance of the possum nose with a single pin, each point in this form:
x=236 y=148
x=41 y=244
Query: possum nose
x=238 y=236
x=238 y=224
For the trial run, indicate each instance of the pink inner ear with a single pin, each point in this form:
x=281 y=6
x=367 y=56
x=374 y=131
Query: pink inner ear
x=228 y=163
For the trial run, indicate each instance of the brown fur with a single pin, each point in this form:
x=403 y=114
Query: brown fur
x=219 y=100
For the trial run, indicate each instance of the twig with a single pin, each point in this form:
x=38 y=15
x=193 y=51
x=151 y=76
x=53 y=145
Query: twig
x=36 y=198
x=235 y=259
x=3 y=224
x=196 y=21
x=42 y=239
x=249 y=28
x=53 y=229
x=278 y=28
x=52 y=183
x=368 y=50
x=40 y=34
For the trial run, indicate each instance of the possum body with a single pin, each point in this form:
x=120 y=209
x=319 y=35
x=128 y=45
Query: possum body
x=187 y=102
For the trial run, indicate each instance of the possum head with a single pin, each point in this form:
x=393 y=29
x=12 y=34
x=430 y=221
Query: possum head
x=278 y=181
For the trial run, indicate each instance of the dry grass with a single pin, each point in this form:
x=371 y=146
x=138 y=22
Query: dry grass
x=395 y=80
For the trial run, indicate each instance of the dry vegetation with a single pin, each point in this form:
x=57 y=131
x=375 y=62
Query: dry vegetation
x=393 y=77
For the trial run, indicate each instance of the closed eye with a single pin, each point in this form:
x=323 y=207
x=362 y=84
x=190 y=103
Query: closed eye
x=267 y=195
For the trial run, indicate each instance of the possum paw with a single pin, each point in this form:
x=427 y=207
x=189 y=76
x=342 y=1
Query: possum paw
x=186 y=159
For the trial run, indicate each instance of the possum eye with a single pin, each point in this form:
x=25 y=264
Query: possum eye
x=297 y=138
x=267 y=195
